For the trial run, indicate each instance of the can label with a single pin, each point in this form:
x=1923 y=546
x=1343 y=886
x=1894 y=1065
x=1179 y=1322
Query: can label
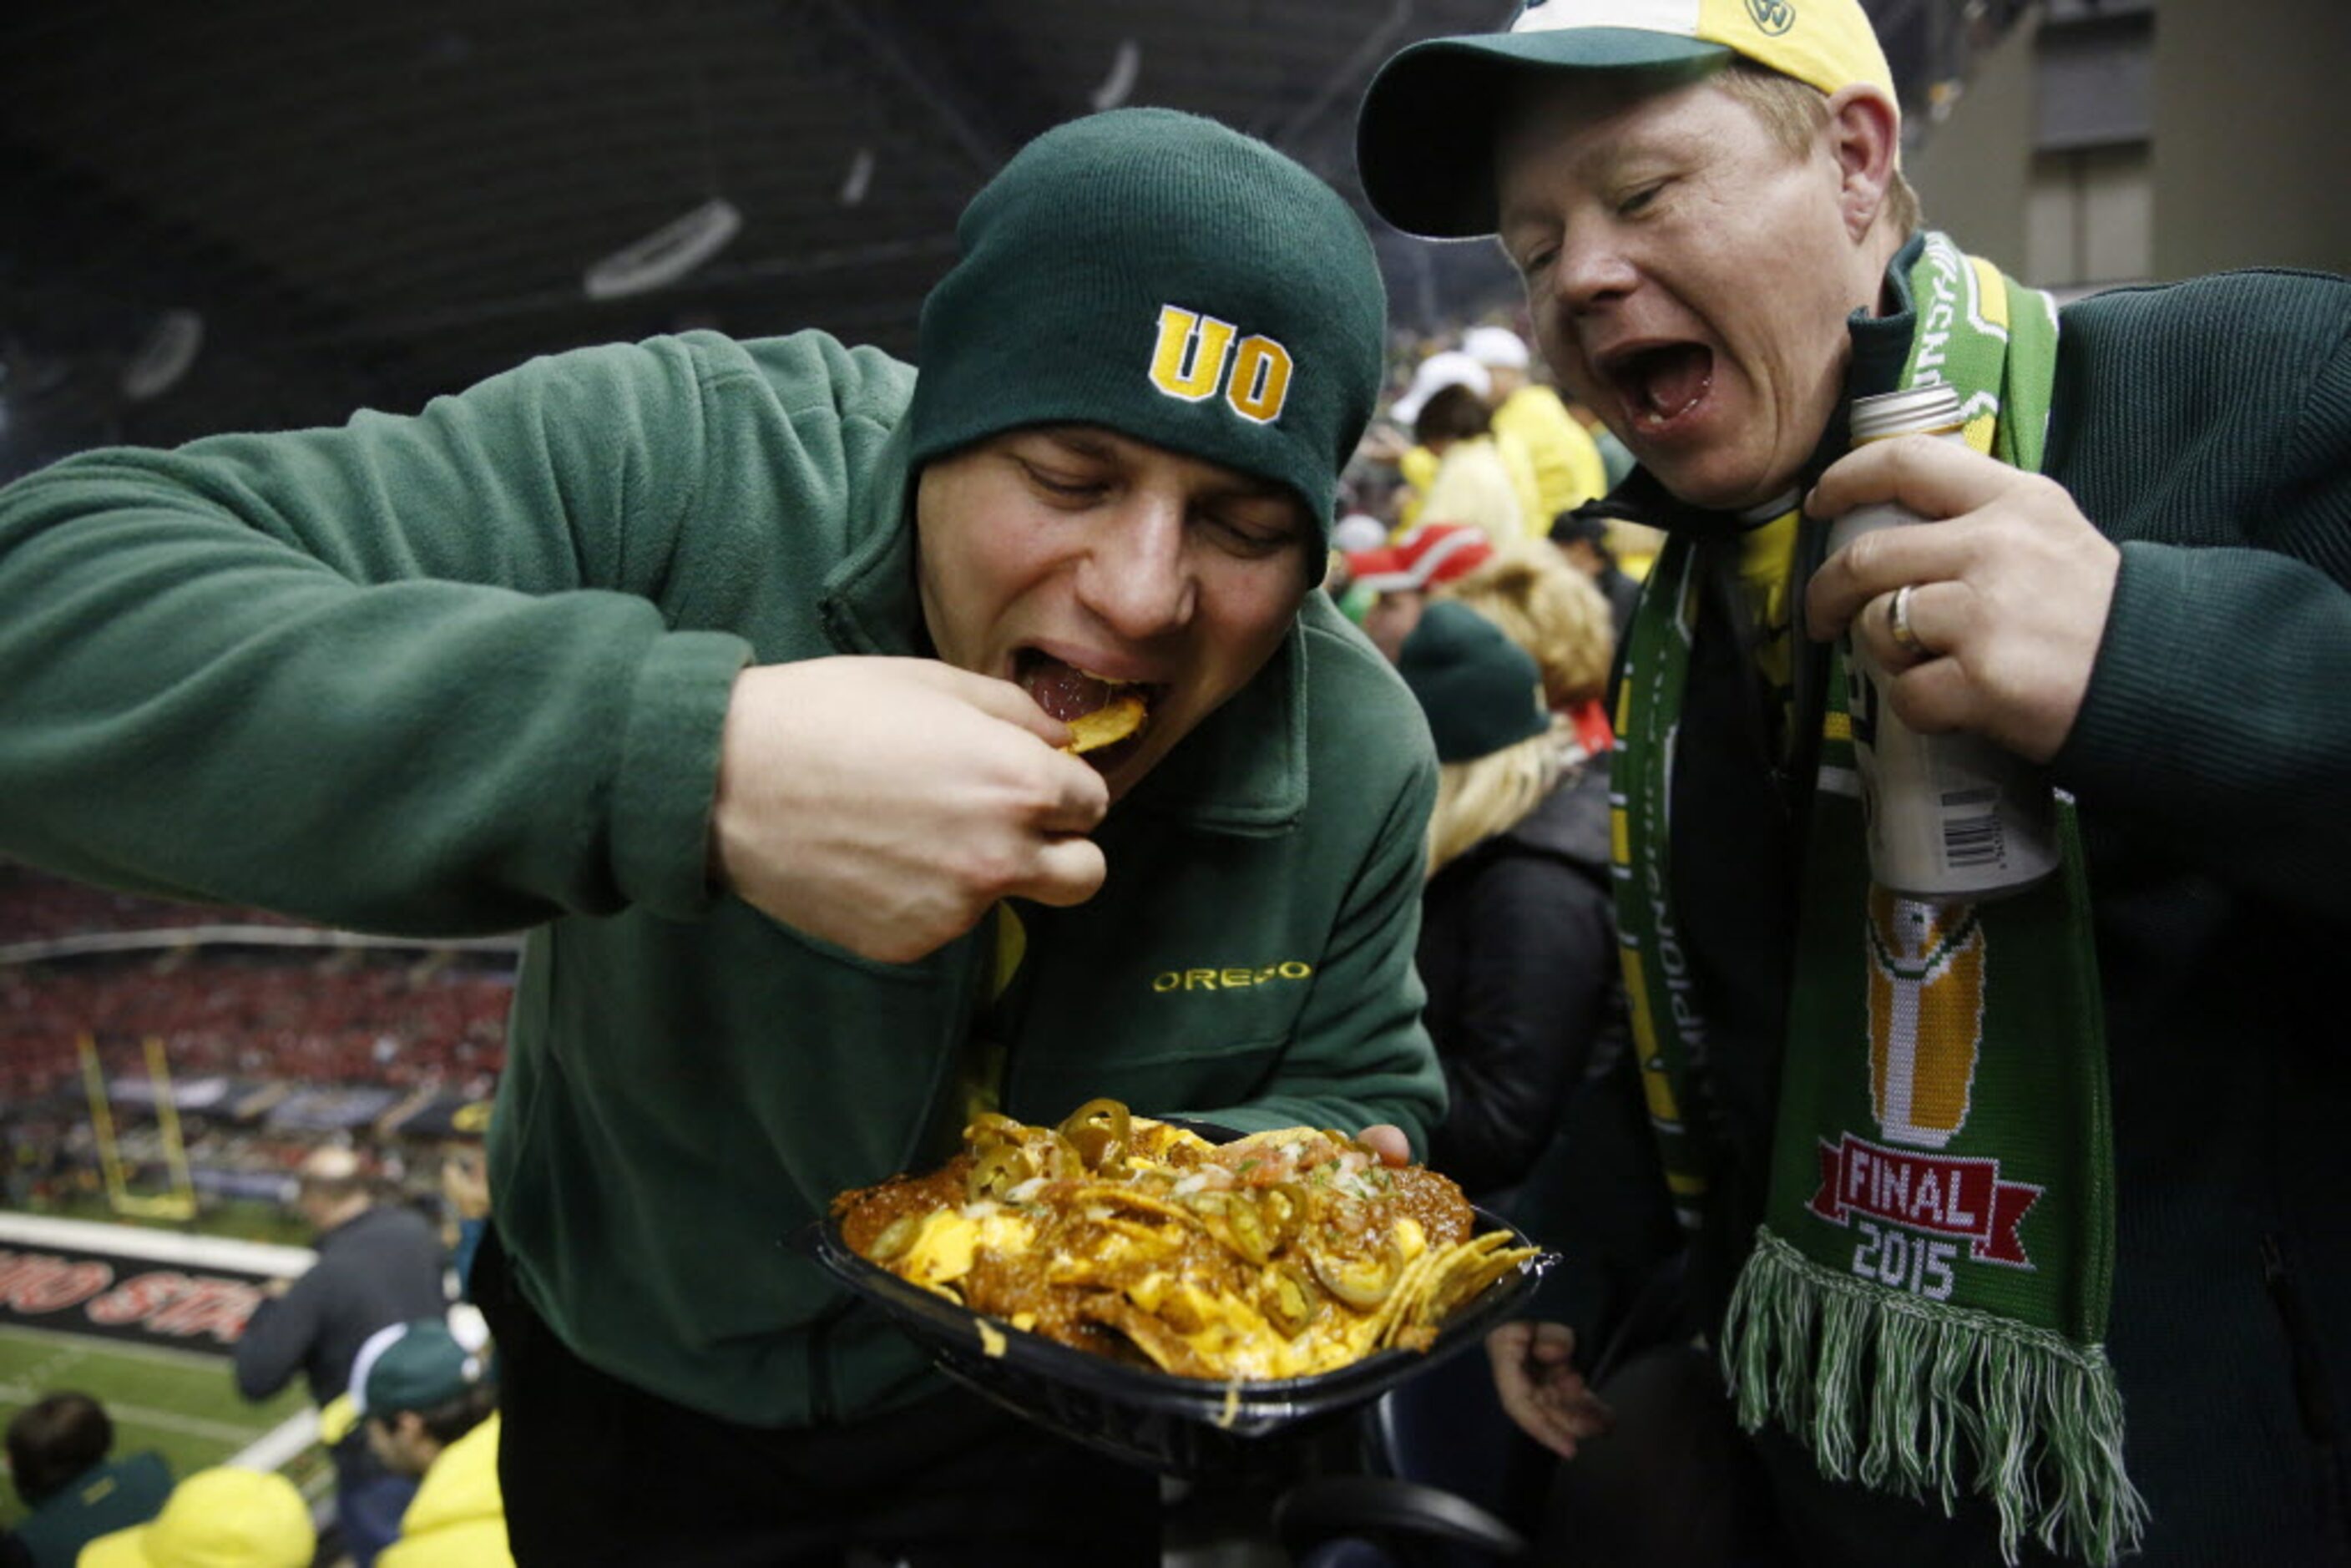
x=1949 y=816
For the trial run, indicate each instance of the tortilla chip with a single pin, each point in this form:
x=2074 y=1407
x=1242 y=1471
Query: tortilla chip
x=1106 y=725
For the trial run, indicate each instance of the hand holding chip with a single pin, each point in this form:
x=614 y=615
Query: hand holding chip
x=1388 y=1141
x=885 y=804
x=1535 y=1375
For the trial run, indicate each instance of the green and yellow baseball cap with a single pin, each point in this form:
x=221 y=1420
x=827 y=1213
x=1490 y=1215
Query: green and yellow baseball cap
x=1424 y=137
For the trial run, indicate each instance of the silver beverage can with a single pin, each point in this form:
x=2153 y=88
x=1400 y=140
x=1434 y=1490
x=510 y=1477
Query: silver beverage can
x=1949 y=816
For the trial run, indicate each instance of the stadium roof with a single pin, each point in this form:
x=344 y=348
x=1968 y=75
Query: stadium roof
x=252 y=214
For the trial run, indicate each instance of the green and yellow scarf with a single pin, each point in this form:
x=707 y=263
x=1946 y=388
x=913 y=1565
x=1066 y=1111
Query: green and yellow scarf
x=1927 y=1301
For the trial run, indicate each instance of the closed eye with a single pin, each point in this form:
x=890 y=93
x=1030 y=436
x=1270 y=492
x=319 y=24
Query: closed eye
x=1247 y=536
x=1528 y=243
x=1063 y=486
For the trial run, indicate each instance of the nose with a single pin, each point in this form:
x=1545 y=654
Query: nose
x=1138 y=578
x=1592 y=268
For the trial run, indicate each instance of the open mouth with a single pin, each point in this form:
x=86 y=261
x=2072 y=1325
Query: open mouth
x=1107 y=719
x=1658 y=385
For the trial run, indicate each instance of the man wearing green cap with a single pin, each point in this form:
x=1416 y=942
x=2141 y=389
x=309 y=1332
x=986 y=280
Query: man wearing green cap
x=737 y=673
x=2011 y=1230
x=429 y=1408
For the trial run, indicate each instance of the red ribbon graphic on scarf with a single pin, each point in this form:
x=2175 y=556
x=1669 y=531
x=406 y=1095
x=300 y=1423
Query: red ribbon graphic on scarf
x=1949 y=1197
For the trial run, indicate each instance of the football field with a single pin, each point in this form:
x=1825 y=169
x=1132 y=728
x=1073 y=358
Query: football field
x=182 y=1404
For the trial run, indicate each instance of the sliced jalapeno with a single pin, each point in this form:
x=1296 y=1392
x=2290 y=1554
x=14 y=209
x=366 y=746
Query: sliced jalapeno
x=1063 y=1161
x=993 y=1128
x=1288 y=1300
x=1284 y=1208
x=1362 y=1283
x=1247 y=1231
x=999 y=1168
x=1101 y=1132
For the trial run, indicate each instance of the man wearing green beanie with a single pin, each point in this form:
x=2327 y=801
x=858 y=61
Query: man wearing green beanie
x=739 y=674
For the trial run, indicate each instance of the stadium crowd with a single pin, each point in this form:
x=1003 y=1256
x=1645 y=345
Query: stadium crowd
x=348 y=1019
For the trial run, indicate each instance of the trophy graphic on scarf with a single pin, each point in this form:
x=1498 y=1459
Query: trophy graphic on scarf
x=1926 y=1015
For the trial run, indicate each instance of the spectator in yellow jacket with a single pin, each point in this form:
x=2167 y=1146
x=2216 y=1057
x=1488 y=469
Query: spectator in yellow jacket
x=1566 y=464
x=1473 y=483
x=1418 y=463
x=220 y=1518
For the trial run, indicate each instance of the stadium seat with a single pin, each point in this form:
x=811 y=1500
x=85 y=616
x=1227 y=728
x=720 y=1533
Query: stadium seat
x=1448 y=1482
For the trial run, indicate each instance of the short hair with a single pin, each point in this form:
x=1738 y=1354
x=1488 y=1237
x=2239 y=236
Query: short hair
x=54 y=1441
x=1451 y=413
x=446 y=1422
x=331 y=1174
x=1794 y=111
x=1549 y=609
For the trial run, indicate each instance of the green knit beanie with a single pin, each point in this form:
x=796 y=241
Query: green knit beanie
x=1172 y=279
x=1480 y=691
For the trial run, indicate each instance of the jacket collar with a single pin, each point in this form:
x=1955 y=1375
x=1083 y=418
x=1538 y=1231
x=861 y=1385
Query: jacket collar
x=870 y=604
x=1880 y=344
x=1243 y=771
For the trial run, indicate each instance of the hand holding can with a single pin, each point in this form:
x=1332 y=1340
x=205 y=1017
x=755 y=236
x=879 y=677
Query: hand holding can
x=1949 y=816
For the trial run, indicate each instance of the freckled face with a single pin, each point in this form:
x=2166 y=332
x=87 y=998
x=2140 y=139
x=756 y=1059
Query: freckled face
x=1688 y=277
x=1064 y=549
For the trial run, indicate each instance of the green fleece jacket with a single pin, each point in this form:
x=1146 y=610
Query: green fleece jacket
x=2206 y=428
x=467 y=671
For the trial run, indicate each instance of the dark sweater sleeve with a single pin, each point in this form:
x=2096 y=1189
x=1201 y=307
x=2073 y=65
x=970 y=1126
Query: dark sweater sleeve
x=1534 y=983
x=2218 y=719
x=277 y=1339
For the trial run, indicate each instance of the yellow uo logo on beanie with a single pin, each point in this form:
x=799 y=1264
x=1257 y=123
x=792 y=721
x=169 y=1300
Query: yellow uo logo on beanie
x=1194 y=351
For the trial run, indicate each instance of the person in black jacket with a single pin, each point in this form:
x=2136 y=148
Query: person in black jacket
x=1582 y=537
x=379 y=1264
x=1516 y=941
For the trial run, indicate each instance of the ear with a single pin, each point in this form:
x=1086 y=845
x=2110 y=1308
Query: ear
x=1864 y=133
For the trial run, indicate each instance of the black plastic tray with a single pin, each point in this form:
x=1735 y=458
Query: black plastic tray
x=1180 y=1425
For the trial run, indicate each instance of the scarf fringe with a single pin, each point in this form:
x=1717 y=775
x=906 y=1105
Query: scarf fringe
x=1900 y=1394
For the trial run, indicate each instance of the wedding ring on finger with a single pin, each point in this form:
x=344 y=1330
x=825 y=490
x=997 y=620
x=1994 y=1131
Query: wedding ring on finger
x=1897 y=625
